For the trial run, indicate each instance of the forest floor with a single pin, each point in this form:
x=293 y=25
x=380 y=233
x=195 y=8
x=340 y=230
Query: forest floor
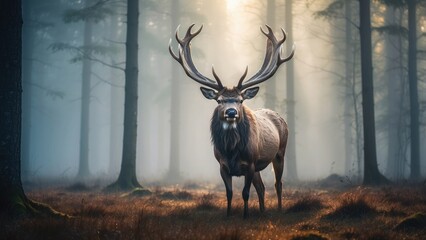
x=194 y=211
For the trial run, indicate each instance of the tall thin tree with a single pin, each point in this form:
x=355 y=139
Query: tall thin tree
x=92 y=12
x=371 y=170
x=117 y=100
x=291 y=115
x=27 y=55
x=174 y=165
x=393 y=76
x=414 y=97
x=13 y=201
x=349 y=52
x=83 y=167
x=127 y=179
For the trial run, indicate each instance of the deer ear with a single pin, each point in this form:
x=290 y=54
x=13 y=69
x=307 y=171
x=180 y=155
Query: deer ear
x=208 y=93
x=250 y=93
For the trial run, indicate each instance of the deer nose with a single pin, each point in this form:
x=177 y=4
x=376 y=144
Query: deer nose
x=231 y=112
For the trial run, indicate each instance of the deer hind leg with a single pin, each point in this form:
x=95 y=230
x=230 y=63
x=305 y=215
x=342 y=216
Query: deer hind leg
x=260 y=189
x=278 y=164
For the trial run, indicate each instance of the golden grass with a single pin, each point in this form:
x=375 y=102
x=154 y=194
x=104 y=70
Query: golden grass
x=352 y=205
x=412 y=222
x=308 y=202
x=197 y=213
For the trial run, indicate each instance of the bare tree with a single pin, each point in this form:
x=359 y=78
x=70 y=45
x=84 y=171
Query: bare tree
x=174 y=165
x=83 y=166
x=13 y=201
x=414 y=97
x=92 y=12
x=291 y=115
x=27 y=51
x=349 y=52
x=371 y=170
x=117 y=100
x=127 y=178
x=394 y=77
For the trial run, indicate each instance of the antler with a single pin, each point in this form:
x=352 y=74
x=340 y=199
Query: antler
x=272 y=60
x=185 y=59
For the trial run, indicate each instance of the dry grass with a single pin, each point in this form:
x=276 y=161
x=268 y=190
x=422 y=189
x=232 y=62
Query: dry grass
x=77 y=187
x=352 y=206
x=306 y=203
x=206 y=202
x=177 y=194
x=309 y=236
x=415 y=221
x=198 y=213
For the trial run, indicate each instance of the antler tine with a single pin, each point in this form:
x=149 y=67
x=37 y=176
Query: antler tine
x=177 y=35
x=269 y=34
x=272 y=59
x=192 y=35
x=290 y=56
x=267 y=57
x=242 y=78
x=178 y=59
x=284 y=36
x=185 y=59
x=217 y=78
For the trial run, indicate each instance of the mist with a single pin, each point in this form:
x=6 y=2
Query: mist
x=230 y=41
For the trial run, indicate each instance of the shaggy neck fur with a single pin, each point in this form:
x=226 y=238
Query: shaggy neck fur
x=231 y=142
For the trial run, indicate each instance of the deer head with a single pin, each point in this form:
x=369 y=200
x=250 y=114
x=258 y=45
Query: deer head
x=230 y=99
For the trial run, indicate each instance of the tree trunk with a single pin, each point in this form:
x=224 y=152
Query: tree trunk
x=371 y=172
x=349 y=163
x=174 y=165
x=392 y=76
x=355 y=104
x=414 y=99
x=402 y=104
x=117 y=100
x=291 y=116
x=27 y=54
x=83 y=167
x=13 y=201
x=127 y=179
x=271 y=84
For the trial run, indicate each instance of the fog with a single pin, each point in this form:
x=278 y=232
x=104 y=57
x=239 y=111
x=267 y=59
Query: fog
x=230 y=41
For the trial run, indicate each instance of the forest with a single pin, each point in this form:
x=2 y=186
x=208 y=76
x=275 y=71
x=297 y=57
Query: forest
x=105 y=134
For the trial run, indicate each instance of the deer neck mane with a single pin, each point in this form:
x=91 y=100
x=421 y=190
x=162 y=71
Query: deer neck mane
x=232 y=141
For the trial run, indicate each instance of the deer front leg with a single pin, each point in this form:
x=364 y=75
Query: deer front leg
x=227 y=179
x=246 y=190
x=260 y=189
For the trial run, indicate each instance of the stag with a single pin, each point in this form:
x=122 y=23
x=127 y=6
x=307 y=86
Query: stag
x=245 y=141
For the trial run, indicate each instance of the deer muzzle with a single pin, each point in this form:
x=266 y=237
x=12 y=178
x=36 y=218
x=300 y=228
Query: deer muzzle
x=231 y=114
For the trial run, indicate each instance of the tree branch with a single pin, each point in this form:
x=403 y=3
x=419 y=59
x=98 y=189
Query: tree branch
x=105 y=81
x=104 y=63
